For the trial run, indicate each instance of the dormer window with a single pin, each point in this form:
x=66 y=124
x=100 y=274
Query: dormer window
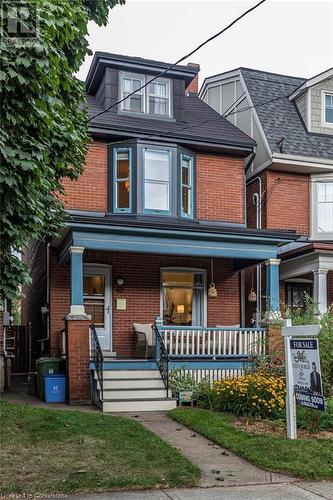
x=134 y=103
x=328 y=108
x=152 y=100
x=159 y=98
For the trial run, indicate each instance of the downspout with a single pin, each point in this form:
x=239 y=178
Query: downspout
x=45 y=339
x=257 y=200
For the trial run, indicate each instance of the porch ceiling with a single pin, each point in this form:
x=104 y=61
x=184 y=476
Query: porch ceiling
x=220 y=243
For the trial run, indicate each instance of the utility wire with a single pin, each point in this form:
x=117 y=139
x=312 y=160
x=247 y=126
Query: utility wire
x=169 y=68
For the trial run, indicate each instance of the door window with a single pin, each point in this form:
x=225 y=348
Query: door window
x=94 y=298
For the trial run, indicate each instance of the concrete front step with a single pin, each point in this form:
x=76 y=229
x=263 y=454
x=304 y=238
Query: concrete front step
x=137 y=394
x=161 y=404
x=131 y=374
x=128 y=383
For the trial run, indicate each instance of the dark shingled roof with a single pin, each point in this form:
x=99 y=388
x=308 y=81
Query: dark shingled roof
x=281 y=118
x=201 y=123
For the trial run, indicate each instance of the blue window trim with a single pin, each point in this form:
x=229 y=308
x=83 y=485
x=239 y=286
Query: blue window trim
x=191 y=185
x=115 y=180
x=149 y=210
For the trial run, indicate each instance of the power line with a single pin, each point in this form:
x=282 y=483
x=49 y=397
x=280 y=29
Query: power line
x=169 y=68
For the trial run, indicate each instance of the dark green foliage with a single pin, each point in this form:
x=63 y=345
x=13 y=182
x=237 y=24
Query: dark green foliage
x=314 y=420
x=43 y=125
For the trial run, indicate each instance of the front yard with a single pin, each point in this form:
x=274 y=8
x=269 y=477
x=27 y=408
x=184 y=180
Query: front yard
x=305 y=458
x=54 y=451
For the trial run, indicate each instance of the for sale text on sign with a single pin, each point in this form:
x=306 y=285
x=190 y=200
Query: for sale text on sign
x=306 y=373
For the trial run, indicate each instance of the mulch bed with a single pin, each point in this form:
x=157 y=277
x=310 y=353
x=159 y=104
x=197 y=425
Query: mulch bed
x=276 y=428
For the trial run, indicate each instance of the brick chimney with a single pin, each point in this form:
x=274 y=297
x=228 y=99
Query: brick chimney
x=194 y=85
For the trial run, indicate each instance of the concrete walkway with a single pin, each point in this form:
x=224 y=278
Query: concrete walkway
x=217 y=464
x=280 y=491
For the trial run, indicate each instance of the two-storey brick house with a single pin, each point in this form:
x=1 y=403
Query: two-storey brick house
x=156 y=228
x=290 y=181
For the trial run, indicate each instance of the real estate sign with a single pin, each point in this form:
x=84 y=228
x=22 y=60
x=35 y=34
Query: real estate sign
x=306 y=373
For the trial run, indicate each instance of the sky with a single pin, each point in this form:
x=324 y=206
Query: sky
x=281 y=36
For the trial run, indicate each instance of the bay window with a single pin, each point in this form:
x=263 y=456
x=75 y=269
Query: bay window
x=157 y=180
x=186 y=174
x=151 y=179
x=122 y=180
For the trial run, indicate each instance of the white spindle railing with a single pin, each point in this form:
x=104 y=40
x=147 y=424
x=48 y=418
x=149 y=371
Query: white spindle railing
x=198 y=341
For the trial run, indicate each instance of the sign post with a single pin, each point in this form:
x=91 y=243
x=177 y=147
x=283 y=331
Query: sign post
x=300 y=384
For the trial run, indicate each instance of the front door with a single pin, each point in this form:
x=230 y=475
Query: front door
x=97 y=301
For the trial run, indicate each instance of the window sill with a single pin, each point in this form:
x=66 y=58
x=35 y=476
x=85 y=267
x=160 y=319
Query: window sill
x=147 y=116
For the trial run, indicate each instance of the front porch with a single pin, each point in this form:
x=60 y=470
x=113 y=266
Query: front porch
x=190 y=277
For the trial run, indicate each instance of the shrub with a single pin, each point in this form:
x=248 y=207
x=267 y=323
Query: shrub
x=314 y=420
x=255 y=394
x=182 y=380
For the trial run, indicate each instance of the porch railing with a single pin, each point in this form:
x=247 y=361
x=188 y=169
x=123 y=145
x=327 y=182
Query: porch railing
x=96 y=356
x=162 y=356
x=211 y=342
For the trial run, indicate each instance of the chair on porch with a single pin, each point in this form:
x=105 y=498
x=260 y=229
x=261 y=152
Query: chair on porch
x=145 y=340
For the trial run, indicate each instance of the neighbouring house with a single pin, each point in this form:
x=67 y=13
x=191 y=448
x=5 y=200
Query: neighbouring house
x=290 y=181
x=157 y=228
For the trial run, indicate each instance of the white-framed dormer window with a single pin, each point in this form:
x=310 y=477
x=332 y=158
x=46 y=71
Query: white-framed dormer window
x=136 y=102
x=152 y=100
x=327 y=109
x=159 y=98
x=322 y=208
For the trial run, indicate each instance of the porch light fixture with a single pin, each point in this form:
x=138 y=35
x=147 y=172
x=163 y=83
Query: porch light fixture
x=252 y=297
x=120 y=284
x=212 y=292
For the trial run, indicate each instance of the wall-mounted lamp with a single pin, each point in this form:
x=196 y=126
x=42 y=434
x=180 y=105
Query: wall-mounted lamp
x=252 y=297
x=120 y=284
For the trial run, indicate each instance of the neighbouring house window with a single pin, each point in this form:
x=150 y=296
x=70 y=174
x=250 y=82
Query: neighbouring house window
x=183 y=298
x=324 y=207
x=159 y=98
x=154 y=99
x=136 y=102
x=328 y=108
x=296 y=295
x=122 y=180
x=157 y=167
x=94 y=298
x=186 y=165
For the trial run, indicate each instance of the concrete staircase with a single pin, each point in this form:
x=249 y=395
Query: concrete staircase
x=133 y=390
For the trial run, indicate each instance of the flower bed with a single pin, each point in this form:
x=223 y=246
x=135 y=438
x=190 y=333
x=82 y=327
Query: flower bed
x=256 y=394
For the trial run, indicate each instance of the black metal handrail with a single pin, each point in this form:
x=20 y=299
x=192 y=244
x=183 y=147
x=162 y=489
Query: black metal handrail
x=162 y=356
x=96 y=355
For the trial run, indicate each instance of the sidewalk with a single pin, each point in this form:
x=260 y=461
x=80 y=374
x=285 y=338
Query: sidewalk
x=281 y=491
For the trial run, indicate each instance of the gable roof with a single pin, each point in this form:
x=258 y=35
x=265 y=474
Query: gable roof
x=280 y=118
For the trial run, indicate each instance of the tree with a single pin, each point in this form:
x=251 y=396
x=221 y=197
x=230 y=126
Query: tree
x=44 y=125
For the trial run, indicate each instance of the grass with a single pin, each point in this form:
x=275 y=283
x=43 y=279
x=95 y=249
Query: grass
x=54 y=451
x=308 y=459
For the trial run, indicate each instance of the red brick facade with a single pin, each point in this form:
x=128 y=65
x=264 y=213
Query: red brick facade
x=90 y=191
x=220 y=188
x=141 y=274
x=77 y=365
x=219 y=185
x=285 y=201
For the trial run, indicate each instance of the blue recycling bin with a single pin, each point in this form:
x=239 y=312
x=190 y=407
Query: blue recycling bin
x=55 y=388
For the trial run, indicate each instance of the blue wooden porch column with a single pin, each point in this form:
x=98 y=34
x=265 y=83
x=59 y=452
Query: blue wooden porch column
x=273 y=284
x=76 y=256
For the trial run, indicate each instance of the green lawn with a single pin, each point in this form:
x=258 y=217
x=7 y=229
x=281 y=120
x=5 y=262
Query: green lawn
x=54 y=451
x=306 y=458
